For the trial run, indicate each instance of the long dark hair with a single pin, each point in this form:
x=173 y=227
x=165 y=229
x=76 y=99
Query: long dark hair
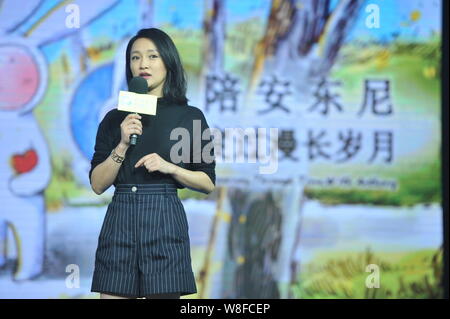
x=174 y=88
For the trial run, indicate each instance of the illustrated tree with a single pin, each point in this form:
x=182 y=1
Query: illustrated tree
x=301 y=43
x=302 y=40
x=214 y=37
x=212 y=63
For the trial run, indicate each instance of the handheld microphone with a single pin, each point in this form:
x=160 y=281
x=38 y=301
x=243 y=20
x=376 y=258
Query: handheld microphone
x=137 y=85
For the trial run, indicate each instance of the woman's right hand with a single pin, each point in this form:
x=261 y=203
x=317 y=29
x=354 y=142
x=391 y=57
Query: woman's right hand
x=130 y=125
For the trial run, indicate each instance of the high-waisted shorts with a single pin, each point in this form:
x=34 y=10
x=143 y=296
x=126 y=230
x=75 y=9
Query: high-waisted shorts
x=143 y=246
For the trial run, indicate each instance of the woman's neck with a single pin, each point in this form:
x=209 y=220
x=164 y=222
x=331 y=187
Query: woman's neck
x=158 y=92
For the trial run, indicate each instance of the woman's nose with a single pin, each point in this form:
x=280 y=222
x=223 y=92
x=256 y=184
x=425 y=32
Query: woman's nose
x=145 y=63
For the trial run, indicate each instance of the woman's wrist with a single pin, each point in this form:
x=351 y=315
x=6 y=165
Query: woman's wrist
x=173 y=169
x=121 y=149
x=115 y=157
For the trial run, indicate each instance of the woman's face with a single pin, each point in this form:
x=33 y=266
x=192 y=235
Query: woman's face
x=145 y=61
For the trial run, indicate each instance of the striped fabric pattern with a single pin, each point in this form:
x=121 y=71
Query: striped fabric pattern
x=143 y=246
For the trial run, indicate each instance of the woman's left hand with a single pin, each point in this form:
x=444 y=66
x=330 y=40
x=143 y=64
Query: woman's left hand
x=153 y=162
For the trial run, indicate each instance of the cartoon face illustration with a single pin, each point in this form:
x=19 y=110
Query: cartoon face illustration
x=25 y=168
x=20 y=77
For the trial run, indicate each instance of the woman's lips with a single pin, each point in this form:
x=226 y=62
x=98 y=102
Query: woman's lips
x=145 y=75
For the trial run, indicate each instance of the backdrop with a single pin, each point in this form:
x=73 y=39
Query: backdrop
x=328 y=119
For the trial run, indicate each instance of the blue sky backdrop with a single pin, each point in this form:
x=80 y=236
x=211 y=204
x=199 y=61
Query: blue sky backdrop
x=188 y=14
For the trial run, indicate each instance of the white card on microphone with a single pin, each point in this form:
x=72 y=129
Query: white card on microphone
x=137 y=103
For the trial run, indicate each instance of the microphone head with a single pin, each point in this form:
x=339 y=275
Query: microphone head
x=138 y=85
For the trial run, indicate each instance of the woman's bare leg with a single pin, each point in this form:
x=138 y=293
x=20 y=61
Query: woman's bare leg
x=175 y=295
x=106 y=296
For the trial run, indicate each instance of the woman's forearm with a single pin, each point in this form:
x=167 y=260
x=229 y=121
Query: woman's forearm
x=105 y=173
x=193 y=179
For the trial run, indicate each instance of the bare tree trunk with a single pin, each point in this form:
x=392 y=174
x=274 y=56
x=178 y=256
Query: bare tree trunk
x=213 y=44
x=301 y=44
x=338 y=26
x=213 y=63
x=146 y=9
x=302 y=41
x=214 y=31
x=205 y=271
x=254 y=239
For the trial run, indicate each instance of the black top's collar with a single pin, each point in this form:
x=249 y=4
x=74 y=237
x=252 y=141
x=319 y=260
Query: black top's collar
x=166 y=101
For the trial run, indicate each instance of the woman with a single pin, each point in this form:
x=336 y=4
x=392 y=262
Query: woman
x=143 y=248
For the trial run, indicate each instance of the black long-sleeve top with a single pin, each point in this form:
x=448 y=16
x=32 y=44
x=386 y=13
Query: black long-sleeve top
x=155 y=138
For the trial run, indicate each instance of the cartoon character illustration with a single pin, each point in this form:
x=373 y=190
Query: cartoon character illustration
x=88 y=106
x=24 y=161
x=25 y=168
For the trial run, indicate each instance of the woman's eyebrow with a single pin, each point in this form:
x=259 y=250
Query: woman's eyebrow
x=151 y=50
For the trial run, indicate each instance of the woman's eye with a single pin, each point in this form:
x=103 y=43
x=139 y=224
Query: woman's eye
x=134 y=58
x=153 y=56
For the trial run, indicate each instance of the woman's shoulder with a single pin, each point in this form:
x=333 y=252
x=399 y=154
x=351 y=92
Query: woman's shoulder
x=182 y=106
x=191 y=111
x=114 y=115
x=112 y=119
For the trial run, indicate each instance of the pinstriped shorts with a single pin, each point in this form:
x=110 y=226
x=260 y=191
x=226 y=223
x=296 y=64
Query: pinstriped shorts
x=143 y=246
